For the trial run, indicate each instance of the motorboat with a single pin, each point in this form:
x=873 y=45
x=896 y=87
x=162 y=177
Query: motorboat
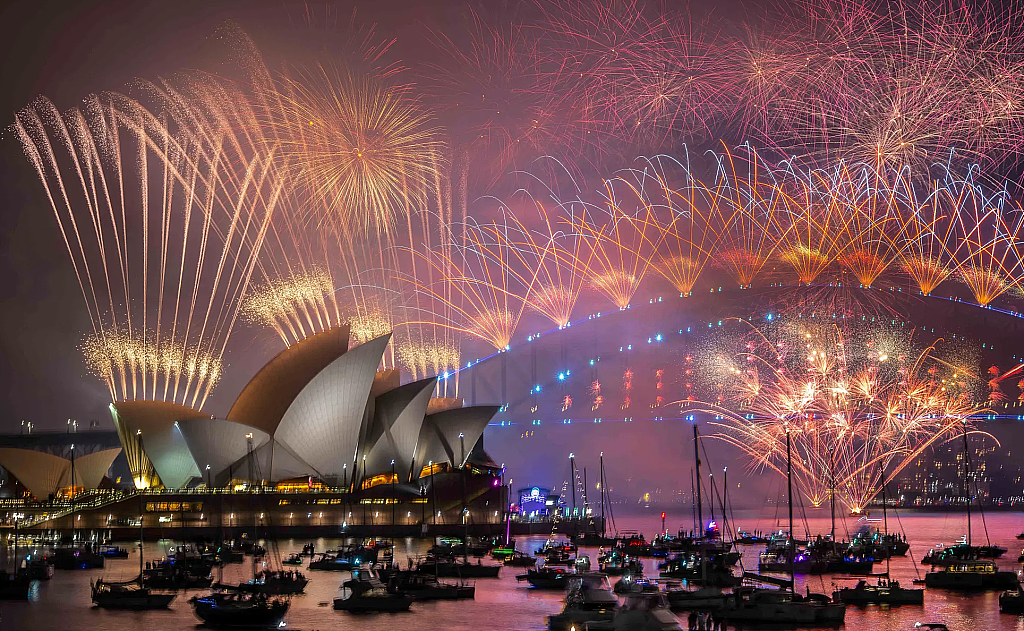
x=1012 y=601
x=340 y=562
x=276 y=583
x=885 y=592
x=520 y=559
x=971 y=574
x=941 y=556
x=781 y=606
x=702 y=599
x=748 y=538
x=633 y=582
x=546 y=577
x=240 y=610
x=427 y=587
x=588 y=600
x=172 y=576
x=367 y=594
x=782 y=559
x=640 y=612
x=112 y=552
x=293 y=559
x=77 y=558
x=456 y=568
x=128 y=595
x=707 y=571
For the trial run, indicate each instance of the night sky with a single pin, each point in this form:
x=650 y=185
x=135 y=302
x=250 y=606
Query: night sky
x=66 y=51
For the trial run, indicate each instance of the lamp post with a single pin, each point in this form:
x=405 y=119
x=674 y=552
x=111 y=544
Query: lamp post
x=209 y=478
x=394 y=498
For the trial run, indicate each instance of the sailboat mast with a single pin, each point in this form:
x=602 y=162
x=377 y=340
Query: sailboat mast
x=832 y=491
x=572 y=481
x=885 y=523
x=696 y=456
x=141 y=513
x=791 y=551
x=967 y=483
x=603 y=522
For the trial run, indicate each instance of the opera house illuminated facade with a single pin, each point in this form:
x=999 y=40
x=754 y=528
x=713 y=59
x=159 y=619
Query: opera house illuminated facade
x=318 y=419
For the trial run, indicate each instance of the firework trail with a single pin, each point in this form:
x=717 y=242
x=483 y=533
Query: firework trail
x=163 y=236
x=849 y=402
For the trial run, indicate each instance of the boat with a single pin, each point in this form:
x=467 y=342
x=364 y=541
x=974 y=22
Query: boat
x=367 y=594
x=629 y=584
x=885 y=592
x=454 y=568
x=77 y=558
x=239 y=610
x=131 y=594
x=275 y=583
x=702 y=599
x=968 y=566
x=588 y=600
x=340 y=562
x=706 y=570
x=940 y=556
x=134 y=594
x=786 y=559
x=112 y=552
x=546 y=578
x=971 y=574
x=14 y=587
x=1012 y=601
x=38 y=569
x=427 y=587
x=293 y=559
x=520 y=559
x=782 y=607
x=171 y=576
x=748 y=538
x=640 y=612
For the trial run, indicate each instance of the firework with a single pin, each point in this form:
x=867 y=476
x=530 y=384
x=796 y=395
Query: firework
x=851 y=403
x=163 y=232
x=362 y=148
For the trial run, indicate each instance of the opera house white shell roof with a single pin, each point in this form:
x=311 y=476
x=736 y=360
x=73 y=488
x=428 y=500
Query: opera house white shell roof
x=318 y=409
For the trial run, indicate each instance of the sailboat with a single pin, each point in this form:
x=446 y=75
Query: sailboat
x=783 y=606
x=599 y=538
x=970 y=571
x=886 y=591
x=131 y=594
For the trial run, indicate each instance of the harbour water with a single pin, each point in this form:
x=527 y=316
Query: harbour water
x=503 y=604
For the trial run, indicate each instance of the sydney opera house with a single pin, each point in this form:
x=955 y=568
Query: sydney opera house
x=318 y=437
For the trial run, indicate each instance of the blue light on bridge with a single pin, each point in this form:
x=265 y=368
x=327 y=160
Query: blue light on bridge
x=536 y=388
x=769 y=317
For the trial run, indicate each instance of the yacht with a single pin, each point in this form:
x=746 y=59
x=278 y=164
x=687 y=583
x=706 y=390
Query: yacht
x=640 y=612
x=239 y=610
x=781 y=606
x=276 y=583
x=427 y=587
x=339 y=562
x=1012 y=601
x=367 y=594
x=702 y=599
x=128 y=595
x=546 y=577
x=587 y=600
x=454 y=568
x=885 y=592
x=971 y=574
